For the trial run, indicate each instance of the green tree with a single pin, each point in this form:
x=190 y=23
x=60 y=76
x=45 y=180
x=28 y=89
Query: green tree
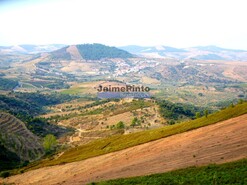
x=134 y=122
x=50 y=142
x=198 y=115
x=120 y=125
x=206 y=113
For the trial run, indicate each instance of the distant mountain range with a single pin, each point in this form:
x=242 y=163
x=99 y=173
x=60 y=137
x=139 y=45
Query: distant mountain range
x=29 y=48
x=199 y=53
x=99 y=51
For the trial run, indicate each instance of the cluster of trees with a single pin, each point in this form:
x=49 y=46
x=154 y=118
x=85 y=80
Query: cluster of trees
x=44 y=99
x=41 y=127
x=99 y=51
x=177 y=111
x=31 y=103
x=27 y=105
x=7 y=84
x=16 y=106
x=135 y=122
x=206 y=112
x=119 y=125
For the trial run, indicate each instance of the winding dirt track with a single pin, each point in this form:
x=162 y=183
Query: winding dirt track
x=217 y=143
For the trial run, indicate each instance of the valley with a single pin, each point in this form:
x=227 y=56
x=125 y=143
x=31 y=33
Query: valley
x=123 y=92
x=197 y=107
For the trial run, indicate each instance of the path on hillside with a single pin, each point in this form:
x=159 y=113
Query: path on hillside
x=217 y=143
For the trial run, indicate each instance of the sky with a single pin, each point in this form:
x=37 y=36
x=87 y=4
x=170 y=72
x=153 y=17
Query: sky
x=176 y=23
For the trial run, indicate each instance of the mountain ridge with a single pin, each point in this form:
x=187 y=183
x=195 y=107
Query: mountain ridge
x=29 y=48
x=210 y=52
x=97 y=51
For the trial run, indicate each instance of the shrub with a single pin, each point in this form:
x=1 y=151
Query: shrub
x=198 y=115
x=206 y=113
x=171 y=122
x=5 y=174
x=120 y=125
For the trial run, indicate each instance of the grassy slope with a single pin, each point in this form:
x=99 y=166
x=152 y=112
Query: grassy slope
x=120 y=142
x=228 y=173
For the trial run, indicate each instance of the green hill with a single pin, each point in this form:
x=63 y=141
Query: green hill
x=99 y=51
x=91 y=52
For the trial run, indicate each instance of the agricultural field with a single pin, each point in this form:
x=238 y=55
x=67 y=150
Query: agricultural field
x=94 y=120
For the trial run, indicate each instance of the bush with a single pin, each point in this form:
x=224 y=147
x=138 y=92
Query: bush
x=171 y=122
x=5 y=174
x=120 y=125
x=198 y=115
x=135 y=122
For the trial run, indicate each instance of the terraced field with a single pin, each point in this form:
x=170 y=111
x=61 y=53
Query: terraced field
x=88 y=119
x=15 y=136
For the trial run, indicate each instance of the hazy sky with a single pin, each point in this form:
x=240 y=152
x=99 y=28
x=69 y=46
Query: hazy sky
x=177 y=23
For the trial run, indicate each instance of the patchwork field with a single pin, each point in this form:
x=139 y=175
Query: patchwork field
x=88 y=118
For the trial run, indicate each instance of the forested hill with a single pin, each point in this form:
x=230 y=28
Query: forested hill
x=89 y=52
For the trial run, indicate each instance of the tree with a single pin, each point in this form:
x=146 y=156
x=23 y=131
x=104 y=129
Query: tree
x=198 y=115
x=206 y=113
x=134 y=122
x=120 y=125
x=49 y=143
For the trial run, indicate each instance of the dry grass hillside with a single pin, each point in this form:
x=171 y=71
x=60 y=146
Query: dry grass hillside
x=218 y=143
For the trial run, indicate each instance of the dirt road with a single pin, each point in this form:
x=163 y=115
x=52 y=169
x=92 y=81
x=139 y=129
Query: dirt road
x=218 y=143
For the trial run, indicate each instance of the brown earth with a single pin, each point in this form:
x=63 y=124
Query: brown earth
x=218 y=143
x=75 y=54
